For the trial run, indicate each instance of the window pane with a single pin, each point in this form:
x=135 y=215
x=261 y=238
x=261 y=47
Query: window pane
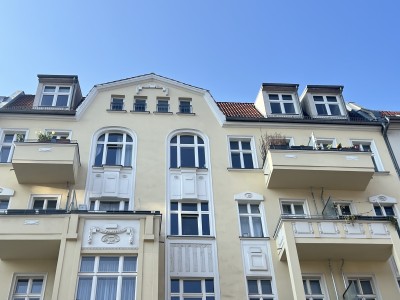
x=209 y=285
x=245 y=226
x=174 y=205
x=106 y=288
x=286 y=209
x=173 y=158
x=289 y=108
x=190 y=225
x=205 y=221
x=235 y=157
x=287 y=97
x=187 y=157
x=305 y=287
x=248 y=160
x=378 y=211
x=47 y=100
x=38 y=204
x=243 y=208
x=318 y=98
x=87 y=264
x=174 y=140
x=257 y=227
x=335 y=110
x=129 y=138
x=128 y=156
x=37 y=286
x=252 y=286
x=366 y=287
x=101 y=138
x=64 y=89
x=273 y=97
x=62 y=100
x=189 y=206
x=51 y=204
x=99 y=155
x=321 y=109
x=174 y=285
x=389 y=210
x=108 y=264
x=113 y=156
x=254 y=208
x=8 y=138
x=187 y=139
x=202 y=157
x=128 y=288
x=4 y=204
x=129 y=263
x=115 y=137
x=49 y=89
x=266 y=287
x=345 y=209
x=204 y=206
x=22 y=286
x=276 y=108
x=109 y=205
x=4 y=153
x=234 y=145
x=200 y=140
x=192 y=286
x=331 y=99
x=315 y=287
x=174 y=224
x=246 y=145
x=84 y=288
x=298 y=209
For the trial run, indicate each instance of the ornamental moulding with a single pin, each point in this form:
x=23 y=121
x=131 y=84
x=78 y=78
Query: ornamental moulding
x=111 y=234
x=152 y=86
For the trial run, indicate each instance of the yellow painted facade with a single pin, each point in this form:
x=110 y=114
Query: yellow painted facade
x=161 y=183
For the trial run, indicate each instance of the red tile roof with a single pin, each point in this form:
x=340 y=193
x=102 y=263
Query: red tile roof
x=241 y=110
x=390 y=113
x=21 y=103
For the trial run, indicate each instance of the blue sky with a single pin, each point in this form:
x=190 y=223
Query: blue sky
x=227 y=47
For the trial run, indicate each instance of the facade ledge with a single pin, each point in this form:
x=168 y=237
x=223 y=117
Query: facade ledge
x=163 y=113
x=146 y=112
x=255 y=170
x=185 y=114
x=191 y=237
x=262 y=238
x=116 y=111
x=382 y=173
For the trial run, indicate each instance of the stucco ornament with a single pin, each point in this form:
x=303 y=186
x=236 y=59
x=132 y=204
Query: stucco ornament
x=152 y=86
x=111 y=234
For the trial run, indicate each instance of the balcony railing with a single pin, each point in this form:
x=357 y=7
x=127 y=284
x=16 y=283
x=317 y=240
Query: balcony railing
x=139 y=107
x=185 y=109
x=116 y=106
x=162 y=108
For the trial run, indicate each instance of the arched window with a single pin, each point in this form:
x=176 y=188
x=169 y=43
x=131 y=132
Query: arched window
x=187 y=150
x=114 y=149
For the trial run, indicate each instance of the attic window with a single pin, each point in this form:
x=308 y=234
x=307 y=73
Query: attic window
x=282 y=104
x=327 y=105
x=54 y=95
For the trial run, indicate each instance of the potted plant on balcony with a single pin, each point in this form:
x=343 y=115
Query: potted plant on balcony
x=272 y=141
x=20 y=138
x=44 y=137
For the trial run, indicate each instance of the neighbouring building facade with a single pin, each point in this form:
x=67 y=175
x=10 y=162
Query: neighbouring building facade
x=147 y=188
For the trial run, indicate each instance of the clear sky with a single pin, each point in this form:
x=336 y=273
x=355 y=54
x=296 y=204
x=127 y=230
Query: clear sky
x=227 y=47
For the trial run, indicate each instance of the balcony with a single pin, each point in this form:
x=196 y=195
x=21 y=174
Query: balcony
x=304 y=167
x=46 y=163
x=322 y=238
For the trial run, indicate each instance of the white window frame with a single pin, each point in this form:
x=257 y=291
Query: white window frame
x=59 y=134
x=198 y=213
x=260 y=295
x=196 y=145
x=95 y=274
x=161 y=103
x=282 y=103
x=5 y=200
x=374 y=152
x=123 y=203
x=136 y=99
x=323 y=143
x=15 y=133
x=322 y=284
x=358 y=277
x=382 y=208
x=115 y=97
x=108 y=144
x=241 y=151
x=44 y=197
x=339 y=204
x=56 y=94
x=250 y=217
x=292 y=203
x=182 y=295
x=186 y=101
x=30 y=277
x=326 y=103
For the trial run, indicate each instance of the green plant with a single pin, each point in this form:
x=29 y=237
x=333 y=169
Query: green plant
x=267 y=140
x=44 y=136
x=20 y=137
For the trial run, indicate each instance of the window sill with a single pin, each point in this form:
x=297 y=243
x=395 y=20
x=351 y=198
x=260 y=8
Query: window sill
x=185 y=114
x=256 y=170
x=162 y=112
x=116 y=111
x=251 y=238
x=139 y=112
x=189 y=168
x=200 y=237
x=112 y=166
x=381 y=173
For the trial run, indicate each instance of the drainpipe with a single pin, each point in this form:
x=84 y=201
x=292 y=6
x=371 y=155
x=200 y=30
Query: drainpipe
x=385 y=127
x=333 y=280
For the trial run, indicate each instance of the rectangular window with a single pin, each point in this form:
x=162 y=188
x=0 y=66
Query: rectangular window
x=185 y=106
x=7 y=144
x=140 y=104
x=282 y=104
x=117 y=103
x=45 y=202
x=250 y=216
x=190 y=218
x=59 y=134
x=242 y=153
x=313 y=288
x=162 y=105
x=57 y=96
x=109 y=205
x=107 y=278
x=293 y=208
x=4 y=204
x=369 y=146
x=260 y=289
x=384 y=210
x=364 y=287
x=28 y=288
x=344 y=208
x=327 y=105
x=192 y=289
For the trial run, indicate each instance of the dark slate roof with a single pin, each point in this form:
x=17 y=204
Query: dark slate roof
x=240 y=110
x=23 y=102
x=386 y=113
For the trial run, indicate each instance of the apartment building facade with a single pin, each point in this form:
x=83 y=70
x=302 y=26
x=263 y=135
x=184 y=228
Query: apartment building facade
x=147 y=188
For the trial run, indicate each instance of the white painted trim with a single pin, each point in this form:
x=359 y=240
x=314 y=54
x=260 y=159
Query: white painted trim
x=33 y=197
x=348 y=276
x=253 y=149
x=248 y=196
x=321 y=277
x=6 y=192
x=381 y=198
x=29 y=276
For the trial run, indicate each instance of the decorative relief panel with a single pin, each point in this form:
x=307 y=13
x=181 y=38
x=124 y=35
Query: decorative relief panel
x=113 y=234
x=256 y=258
x=111 y=182
x=191 y=259
x=379 y=230
x=303 y=229
x=189 y=184
x=328 y=229
x=354 y=230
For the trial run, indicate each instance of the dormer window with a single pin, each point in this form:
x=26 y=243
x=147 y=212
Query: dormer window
x=56 y=96
x=281 y=104
x=327 y=106
x=117 y=103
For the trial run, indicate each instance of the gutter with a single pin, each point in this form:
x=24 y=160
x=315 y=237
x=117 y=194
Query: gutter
x=385 y=128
